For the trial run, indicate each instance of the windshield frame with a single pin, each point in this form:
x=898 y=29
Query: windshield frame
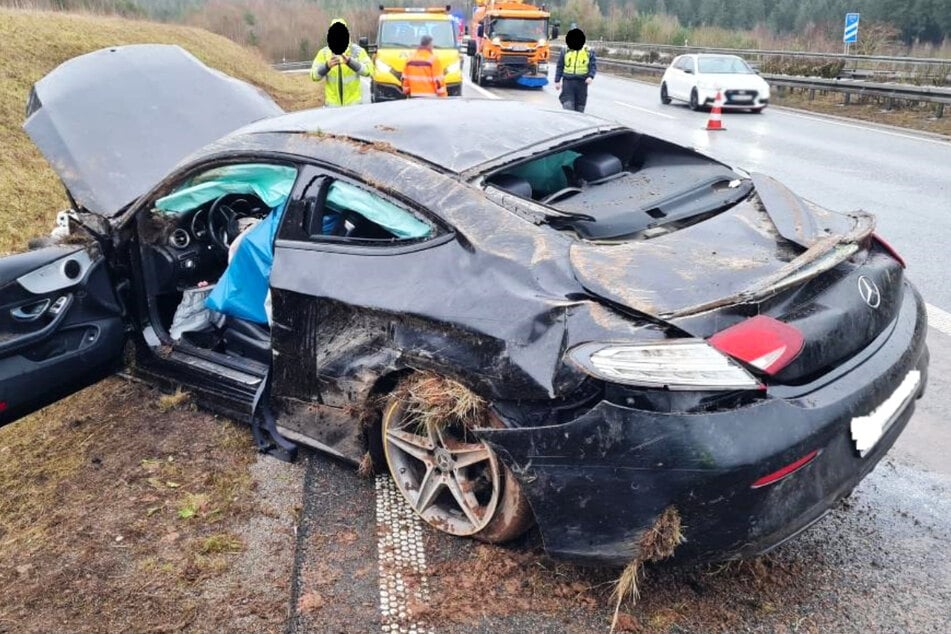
x=519 y=37
x=738 y=65
x=415 y=25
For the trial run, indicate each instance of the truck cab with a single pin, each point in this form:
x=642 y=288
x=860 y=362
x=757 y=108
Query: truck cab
x=509 y=43
x=398 y=36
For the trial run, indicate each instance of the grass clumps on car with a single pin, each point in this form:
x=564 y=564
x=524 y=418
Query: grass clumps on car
x=656 y=543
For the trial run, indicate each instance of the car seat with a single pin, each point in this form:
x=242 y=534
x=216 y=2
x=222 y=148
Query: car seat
x=598 y=167
x=513 y=184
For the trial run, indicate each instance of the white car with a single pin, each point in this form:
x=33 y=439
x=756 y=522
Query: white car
x=696 y=79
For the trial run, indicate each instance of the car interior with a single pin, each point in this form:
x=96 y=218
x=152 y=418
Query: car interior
x=620 y=186
x=208 y=246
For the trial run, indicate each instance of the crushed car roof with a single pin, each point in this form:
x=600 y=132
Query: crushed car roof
x=112 y=123
x=455 y=134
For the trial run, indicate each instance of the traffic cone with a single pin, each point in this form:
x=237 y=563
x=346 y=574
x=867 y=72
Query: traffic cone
x=714 y=122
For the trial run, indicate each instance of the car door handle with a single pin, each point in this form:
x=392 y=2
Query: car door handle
x=32 y=312
x=58 y=311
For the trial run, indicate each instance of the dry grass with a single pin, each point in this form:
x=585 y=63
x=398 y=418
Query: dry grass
x=178 y=398
x=657 y=543
x=915 y=117
x=122 y=518
x=35 y=42
x=434 y=401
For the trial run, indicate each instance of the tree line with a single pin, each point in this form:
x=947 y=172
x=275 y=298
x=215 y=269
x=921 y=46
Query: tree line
x=295 y=29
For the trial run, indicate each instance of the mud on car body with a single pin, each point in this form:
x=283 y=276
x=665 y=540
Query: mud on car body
x=571 y=322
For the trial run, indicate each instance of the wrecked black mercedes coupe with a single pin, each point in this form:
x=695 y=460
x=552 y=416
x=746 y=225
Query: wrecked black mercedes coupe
x=542 y=318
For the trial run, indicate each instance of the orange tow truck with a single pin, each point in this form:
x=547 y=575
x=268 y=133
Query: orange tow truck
x=509 y=43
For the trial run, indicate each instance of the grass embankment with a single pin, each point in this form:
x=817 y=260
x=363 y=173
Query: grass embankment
x=35 y=42
x=122 y=510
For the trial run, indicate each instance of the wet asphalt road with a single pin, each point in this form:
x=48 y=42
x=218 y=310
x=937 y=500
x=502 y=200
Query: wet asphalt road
x=880 y=561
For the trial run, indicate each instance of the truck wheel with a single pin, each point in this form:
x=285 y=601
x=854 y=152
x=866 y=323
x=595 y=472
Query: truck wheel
x=479 y=79
x=472 y=69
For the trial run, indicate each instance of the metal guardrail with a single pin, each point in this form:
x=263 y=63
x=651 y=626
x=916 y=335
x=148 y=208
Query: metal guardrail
x=680 y=50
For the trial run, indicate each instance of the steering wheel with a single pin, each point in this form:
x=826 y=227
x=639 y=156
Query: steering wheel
x=223 y=217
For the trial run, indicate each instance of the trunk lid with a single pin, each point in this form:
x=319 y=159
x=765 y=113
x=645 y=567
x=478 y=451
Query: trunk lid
x=114 y=122
x=772 y=254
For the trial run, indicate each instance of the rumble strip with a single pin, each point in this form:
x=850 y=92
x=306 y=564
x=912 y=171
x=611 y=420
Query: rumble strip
x=402 y=557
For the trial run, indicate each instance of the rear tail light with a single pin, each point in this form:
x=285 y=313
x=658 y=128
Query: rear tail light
x=763 y=342
x=889 y=248
x=674 y=364
x=786 y=471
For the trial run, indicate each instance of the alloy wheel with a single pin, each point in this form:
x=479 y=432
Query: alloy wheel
x=451 y=479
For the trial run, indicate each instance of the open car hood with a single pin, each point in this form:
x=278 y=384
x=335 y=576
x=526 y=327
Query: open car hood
x=763 y=244
x=113 y=123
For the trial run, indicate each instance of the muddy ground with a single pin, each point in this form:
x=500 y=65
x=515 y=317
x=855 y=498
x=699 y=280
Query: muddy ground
x=127 y=510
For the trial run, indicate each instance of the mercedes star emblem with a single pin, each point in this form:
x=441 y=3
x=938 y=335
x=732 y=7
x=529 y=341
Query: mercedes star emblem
x=869 y=292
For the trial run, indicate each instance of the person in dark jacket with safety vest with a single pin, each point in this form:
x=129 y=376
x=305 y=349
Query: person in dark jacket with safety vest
x=577 y=66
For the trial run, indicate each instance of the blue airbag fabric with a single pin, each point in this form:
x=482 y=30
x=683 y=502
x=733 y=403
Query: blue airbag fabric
x=271 y=183
x=243 y=287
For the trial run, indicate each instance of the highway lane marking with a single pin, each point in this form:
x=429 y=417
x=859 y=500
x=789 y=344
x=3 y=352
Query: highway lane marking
x=402 y=560
x=482 y=90
x=868 y=128
x=938 y=319
x=647 y=110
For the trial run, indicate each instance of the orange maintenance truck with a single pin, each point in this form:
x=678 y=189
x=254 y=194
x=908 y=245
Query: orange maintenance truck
x=509 y=43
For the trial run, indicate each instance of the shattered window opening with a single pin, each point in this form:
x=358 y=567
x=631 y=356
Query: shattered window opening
x=622 y=187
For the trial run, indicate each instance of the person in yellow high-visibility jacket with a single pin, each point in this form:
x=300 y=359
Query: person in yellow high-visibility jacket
x=341 y=63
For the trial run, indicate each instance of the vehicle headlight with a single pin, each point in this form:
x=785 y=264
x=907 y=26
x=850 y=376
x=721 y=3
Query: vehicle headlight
x=383 y=67
x=453 y=68
x=497 y=40
x=542 y=41
x=675 y=364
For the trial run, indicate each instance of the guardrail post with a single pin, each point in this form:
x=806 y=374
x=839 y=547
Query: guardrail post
x=812 y=94
x=939 y=110
x=889 y=103
x=847 y=99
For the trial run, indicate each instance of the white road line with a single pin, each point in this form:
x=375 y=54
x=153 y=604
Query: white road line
x=647 y=110
x=833 y=120
x=938 y=319
x=482 y=90
x=402 y=557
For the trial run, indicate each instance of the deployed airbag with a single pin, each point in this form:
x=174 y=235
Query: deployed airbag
x=343 y=197
x=271 y=183
x=243 y=286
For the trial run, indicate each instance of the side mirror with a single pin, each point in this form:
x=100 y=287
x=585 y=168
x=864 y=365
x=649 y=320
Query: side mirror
x=554 y=32
x=471 y=48
x=689 y=71
x=481 y=31
x=364 y=42
x=466 y=31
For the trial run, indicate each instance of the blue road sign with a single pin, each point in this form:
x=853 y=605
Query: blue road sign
x=851 y=33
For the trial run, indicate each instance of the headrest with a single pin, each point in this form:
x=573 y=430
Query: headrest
x=513 y=184
x=597 y=166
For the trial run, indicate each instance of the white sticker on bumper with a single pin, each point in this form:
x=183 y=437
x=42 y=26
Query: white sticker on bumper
x=867 y=430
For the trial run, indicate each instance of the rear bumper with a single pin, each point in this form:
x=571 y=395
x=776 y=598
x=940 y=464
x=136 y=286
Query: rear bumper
x=598 y=482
